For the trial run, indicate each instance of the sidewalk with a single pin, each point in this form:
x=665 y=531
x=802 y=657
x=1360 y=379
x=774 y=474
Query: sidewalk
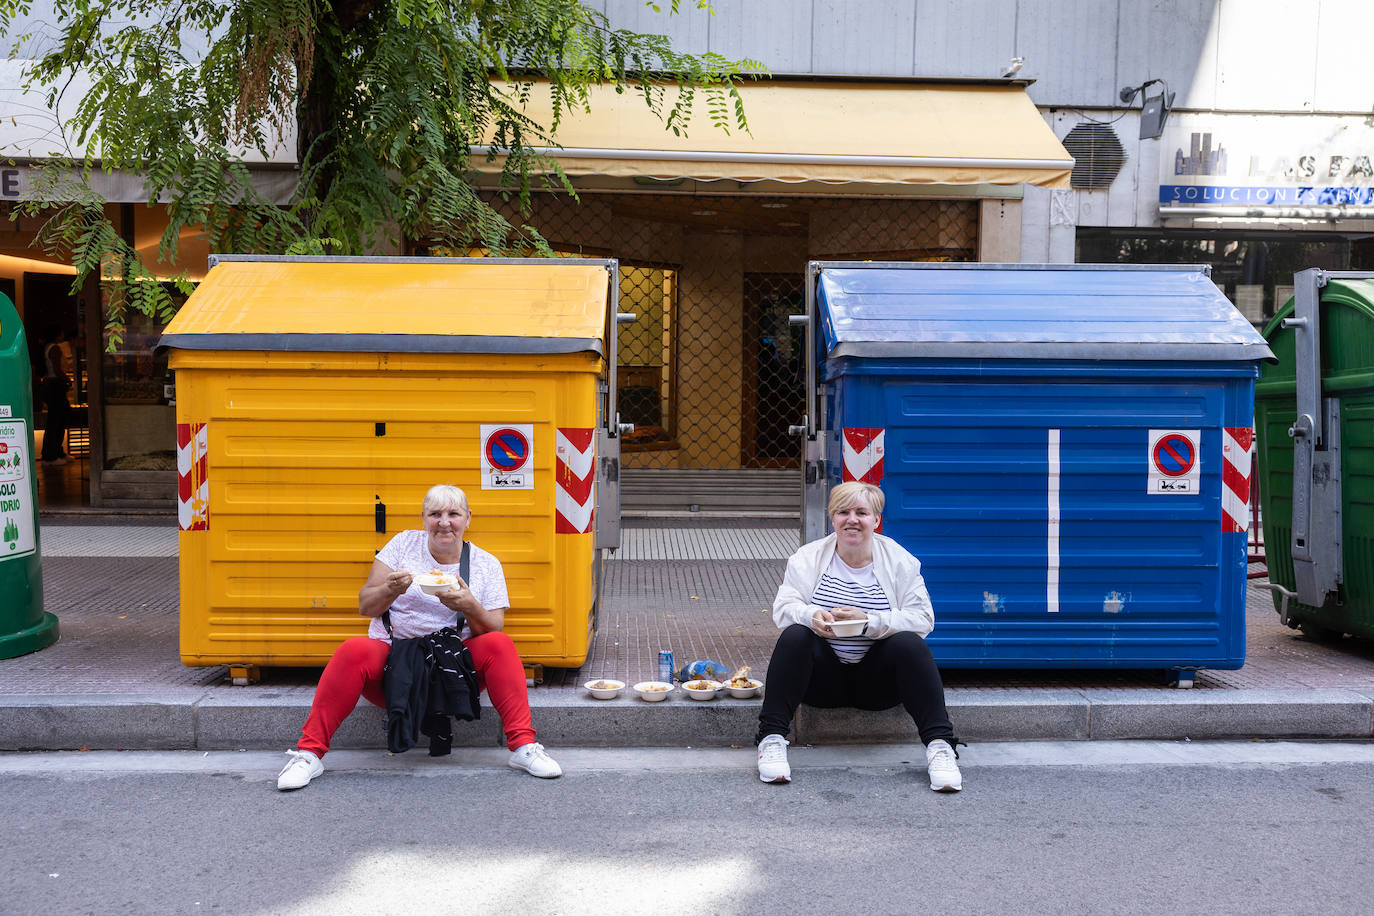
x=701 y=587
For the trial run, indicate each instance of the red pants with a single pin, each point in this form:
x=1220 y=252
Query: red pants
x=355 y=670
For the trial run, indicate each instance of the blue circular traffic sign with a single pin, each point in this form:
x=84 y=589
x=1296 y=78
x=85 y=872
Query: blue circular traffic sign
x=1174 y=455
x=508 y=449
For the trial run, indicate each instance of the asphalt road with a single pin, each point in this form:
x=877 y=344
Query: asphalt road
x=1040 y=828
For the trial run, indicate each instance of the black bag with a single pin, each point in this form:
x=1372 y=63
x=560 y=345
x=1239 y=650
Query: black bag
x=429 y=680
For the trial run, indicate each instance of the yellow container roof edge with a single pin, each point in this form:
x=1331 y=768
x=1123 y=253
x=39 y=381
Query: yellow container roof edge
x=382 y=343
x=489 y=305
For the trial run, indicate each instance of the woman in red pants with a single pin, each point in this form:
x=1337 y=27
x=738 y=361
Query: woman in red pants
x=356 y=667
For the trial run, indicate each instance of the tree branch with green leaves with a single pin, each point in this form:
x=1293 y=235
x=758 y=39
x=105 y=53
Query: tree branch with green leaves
x=384 y=100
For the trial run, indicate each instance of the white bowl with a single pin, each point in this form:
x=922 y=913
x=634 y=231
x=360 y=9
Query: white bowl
x=653 y=691
x=849 y=627
x=603 y=688
x=431 y=584
x=707 y=692
x=744 y=693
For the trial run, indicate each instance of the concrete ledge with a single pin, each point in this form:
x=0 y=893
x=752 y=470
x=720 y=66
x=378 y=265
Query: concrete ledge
x=106 y=722
x=1228 y=714
x=1018 y=715
x=265 y=719
x=271 y=718
x=977 y=714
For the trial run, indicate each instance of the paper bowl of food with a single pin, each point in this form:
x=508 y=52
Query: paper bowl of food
x=432 y=583
x=743 y=687
x=849 y=627
x=604 y=688
x=653 y=691
x=701 y=689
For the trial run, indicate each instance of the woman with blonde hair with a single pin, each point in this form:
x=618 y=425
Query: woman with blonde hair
x=855 y=574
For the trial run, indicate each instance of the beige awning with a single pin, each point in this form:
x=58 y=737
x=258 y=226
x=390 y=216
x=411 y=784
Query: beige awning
x=914 y=132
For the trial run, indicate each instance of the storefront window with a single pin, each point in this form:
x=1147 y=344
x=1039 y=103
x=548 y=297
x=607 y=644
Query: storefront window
x=1254 y=269
x=140 y=419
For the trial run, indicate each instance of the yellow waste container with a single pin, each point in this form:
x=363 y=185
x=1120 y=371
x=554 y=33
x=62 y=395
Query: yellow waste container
x=319 y=398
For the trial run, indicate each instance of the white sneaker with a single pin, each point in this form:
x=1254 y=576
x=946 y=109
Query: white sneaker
x=773 y=760
x=944 y=772
x=299 y=770
x=532 y=759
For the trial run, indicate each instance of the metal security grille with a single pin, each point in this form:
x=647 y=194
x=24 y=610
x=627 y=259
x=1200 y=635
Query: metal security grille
x=773 y=392
x=1097 y=155
x=711 y=372
x=645 y=377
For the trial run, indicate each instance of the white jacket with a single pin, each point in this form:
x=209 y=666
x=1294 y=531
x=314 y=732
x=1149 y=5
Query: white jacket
x=897 y=571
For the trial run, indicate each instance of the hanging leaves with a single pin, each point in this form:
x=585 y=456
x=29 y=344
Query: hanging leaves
x=376 y=103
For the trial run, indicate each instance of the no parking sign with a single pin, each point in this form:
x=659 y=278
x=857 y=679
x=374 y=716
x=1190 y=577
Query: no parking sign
x=1172 y=462
x=507 y=456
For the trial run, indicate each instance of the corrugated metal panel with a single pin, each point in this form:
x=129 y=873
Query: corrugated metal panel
x=1031 y=311
x=776 y=32
x=990 y=48
x=1026 y=500
x=1173 y=39
x=689 y=31
x=1070 y=50
x=863 y=37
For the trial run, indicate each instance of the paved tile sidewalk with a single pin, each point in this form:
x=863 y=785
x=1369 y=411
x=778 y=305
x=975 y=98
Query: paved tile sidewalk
x=114 y=591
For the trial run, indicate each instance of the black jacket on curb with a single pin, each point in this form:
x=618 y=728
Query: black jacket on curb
x=428 y=680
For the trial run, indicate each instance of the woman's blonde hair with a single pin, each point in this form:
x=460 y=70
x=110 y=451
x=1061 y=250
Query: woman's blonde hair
x=848 y=495
x=445 y=495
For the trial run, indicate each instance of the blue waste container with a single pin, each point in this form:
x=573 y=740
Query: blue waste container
x=1066 y=448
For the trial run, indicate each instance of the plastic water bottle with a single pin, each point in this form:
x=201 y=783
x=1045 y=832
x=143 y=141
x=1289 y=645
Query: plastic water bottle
x=665 y=665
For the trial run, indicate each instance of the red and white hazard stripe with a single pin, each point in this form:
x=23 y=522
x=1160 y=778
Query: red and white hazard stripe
x=193 y=486
x=863 y=454
x=1235 y=478
x=574 y=472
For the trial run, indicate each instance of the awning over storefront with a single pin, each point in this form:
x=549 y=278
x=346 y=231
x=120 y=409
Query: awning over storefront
x=888 y=132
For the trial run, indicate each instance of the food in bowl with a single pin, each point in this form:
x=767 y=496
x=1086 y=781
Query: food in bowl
x=701 y=689
x=743 y=688
x=653 y=691
x=604 y=688
x=849 y=627
x=740 y=678
x=435 y=581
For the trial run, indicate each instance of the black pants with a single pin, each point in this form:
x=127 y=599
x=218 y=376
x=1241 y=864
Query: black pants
x=59 y=413
x=899 y=669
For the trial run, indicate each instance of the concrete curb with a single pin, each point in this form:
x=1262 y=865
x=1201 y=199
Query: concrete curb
x=270 y=719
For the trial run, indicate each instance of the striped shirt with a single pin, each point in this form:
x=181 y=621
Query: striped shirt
x=843 y=586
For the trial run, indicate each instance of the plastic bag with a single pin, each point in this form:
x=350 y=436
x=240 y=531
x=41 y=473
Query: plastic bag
x=707 y=669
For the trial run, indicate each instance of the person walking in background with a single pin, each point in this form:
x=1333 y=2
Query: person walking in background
x=855 y=575
x=53 y=388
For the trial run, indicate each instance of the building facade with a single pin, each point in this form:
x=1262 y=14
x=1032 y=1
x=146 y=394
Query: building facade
x=878 y=137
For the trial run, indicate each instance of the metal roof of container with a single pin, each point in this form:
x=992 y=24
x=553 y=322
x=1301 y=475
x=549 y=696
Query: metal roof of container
x=1030 y=311
x=417 y=305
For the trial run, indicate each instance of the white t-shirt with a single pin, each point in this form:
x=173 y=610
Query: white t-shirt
x=413 y=613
